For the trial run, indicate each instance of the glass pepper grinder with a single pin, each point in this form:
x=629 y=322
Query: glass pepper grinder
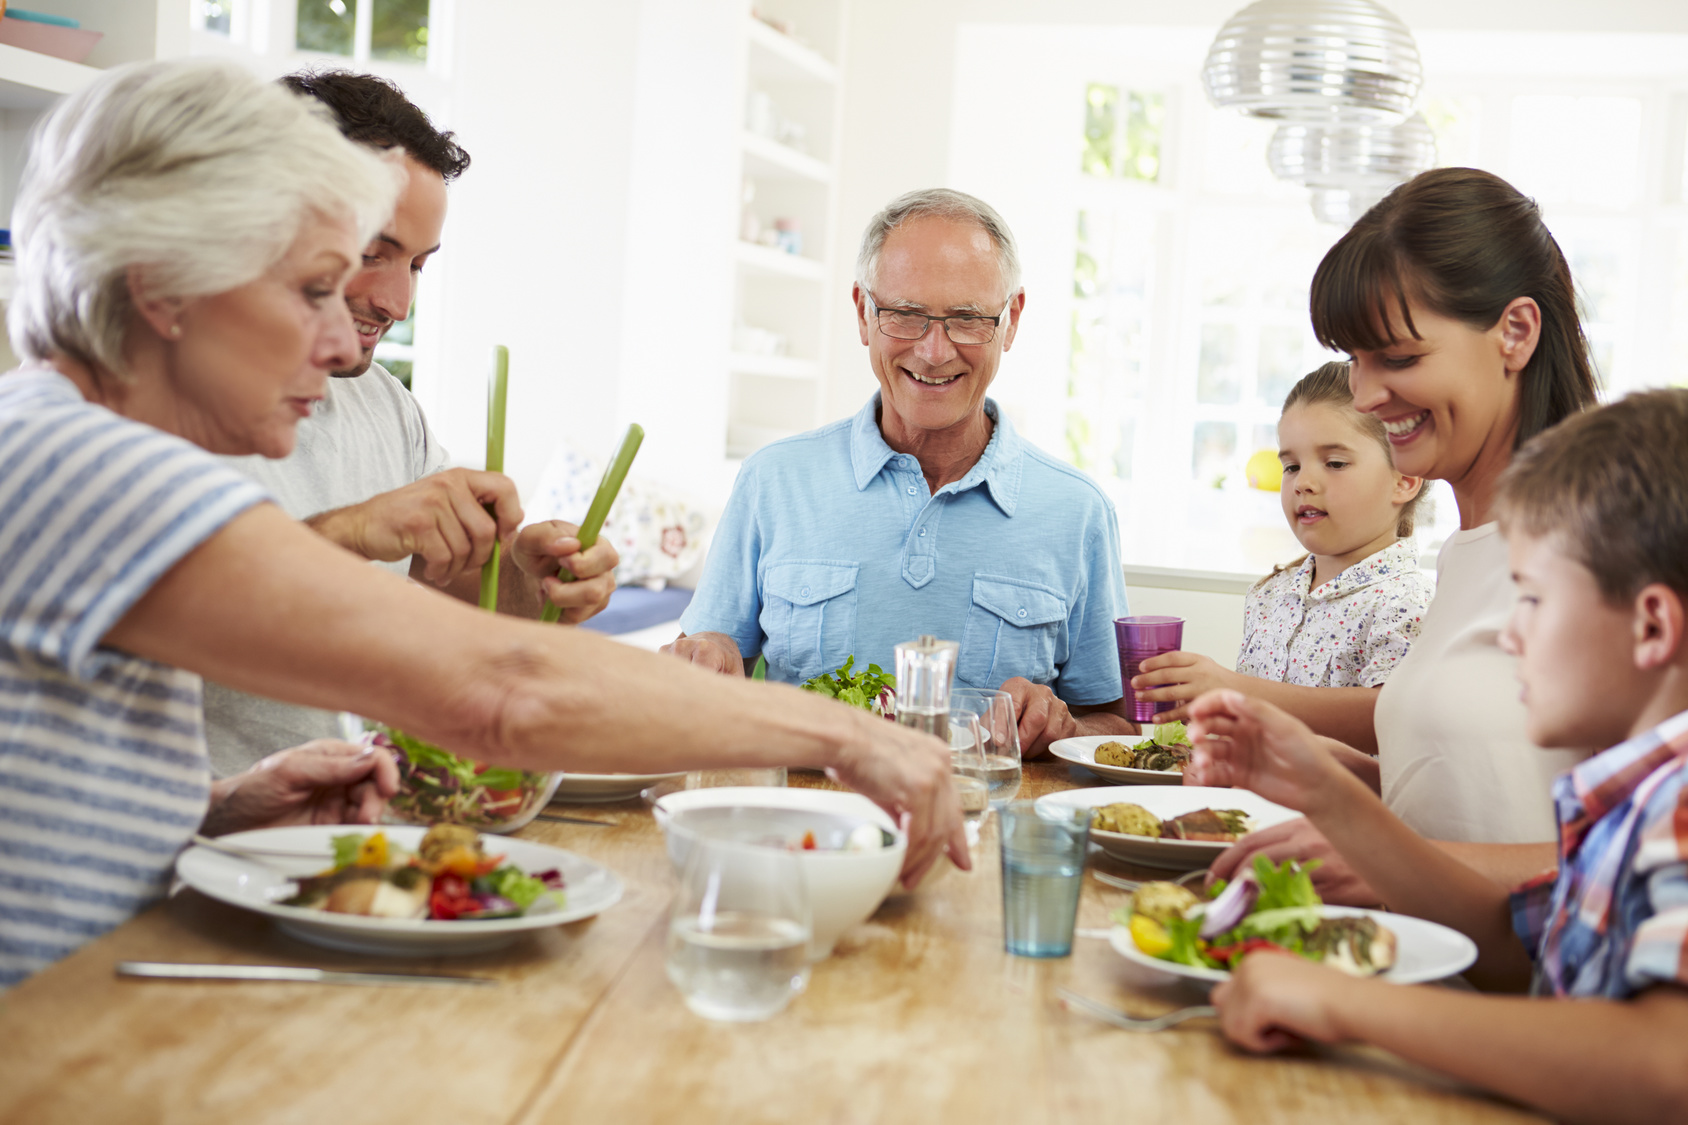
x=925 y=671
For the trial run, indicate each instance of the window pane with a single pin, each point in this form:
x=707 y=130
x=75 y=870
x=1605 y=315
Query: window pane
x=214 y=15
x=1140 y=155
x=1215 y=447
x=326 y=26
x=1281 y=362
x=400 y=30
x=1216 y=372
x=1577 y=150
x=1101 y=115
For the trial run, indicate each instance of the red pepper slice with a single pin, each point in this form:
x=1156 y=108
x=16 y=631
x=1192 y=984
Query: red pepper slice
x=808 y=841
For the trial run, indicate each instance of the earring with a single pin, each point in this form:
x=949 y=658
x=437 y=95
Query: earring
x=175 y=331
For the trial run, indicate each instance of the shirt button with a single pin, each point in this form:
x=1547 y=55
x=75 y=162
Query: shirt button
x=923 y=533
x=804 y=592
x=1022 y=611
x=911 y=490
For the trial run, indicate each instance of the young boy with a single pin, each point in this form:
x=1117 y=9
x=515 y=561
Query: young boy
x=1596 y=517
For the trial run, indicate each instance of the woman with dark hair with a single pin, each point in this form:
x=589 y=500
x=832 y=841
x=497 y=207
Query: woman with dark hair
x=1458 y=309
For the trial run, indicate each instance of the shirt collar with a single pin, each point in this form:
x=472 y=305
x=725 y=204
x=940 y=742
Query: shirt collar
x=999 y=468
x=1397 y=558
x=1600 y=784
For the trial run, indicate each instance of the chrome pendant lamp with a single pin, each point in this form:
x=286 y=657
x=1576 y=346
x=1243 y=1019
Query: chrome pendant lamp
x=1342 y=76
x=1307 y=60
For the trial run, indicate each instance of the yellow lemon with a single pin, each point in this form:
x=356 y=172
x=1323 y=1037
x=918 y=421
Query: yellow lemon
x=1265 y=471
x=1150 y=936
x=373 y=852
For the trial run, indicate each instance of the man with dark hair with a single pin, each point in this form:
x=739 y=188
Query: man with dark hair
x=367 y=472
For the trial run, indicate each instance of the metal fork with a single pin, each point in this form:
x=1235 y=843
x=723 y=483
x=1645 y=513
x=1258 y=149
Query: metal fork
x=1132 y=885
x=1131 y=1023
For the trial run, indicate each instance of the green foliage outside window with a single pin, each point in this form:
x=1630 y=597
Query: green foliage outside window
x=1122 y=133
x=400 y=30
x=326 y=26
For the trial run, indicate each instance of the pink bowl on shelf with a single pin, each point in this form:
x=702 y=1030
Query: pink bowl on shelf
x=72 y=44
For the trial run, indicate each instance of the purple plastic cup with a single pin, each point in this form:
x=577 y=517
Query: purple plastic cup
x=1138 y=639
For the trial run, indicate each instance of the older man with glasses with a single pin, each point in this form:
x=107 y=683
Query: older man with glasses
x=926 y=512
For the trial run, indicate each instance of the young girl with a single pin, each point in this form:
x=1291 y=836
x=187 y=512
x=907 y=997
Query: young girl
x=1320 y=634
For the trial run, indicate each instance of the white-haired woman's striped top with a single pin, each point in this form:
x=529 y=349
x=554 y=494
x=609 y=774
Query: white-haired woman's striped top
x=103 y=771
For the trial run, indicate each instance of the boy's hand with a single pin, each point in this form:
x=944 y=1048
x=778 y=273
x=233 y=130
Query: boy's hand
x=1276 y=1000
x=1181 y=677
x=1248 y=743
x=1335 y=881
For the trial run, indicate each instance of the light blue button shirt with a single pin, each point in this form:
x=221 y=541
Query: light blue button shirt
x=832 y=546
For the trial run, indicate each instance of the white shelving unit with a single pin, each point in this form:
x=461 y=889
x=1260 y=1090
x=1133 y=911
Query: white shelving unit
x=789 y=145
x=30 y=80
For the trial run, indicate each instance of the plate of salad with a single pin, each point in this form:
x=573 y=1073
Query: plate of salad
x=403 y=891
x=1274 y=908
x=437 y=786
x=1156 y=759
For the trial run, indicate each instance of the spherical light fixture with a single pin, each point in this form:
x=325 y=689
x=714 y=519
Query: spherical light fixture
x=1351 y=166
x=1312 y=60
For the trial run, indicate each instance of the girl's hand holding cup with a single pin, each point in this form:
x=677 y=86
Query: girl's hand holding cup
x=1179 y=677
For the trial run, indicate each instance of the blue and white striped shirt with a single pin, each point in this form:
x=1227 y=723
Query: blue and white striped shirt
x=103 y=771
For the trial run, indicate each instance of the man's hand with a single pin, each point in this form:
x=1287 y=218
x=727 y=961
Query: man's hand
x=714 y=651
x=908 y=775
x=1044 y=717
x=440 y=519
x=1182 y=676
x=542 y=549
x=1335 y=881
x=321 y=782
x=1277 y=1000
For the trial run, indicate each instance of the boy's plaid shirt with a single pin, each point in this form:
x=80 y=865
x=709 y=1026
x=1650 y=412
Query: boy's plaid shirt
x=1613 y=919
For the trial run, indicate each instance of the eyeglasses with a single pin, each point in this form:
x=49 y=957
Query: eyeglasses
x=902 y=324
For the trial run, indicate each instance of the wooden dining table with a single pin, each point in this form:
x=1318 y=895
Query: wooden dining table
x=918 y=1016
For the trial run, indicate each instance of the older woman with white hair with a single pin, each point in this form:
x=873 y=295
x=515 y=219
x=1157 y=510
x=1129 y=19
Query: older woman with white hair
x=184 y=234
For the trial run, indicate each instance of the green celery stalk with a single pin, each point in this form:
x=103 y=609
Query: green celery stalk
x=496 y=392
x=614 y=474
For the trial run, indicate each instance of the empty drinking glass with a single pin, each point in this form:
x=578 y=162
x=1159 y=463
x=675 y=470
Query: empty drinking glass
x=1002 y=739
x=738 y=935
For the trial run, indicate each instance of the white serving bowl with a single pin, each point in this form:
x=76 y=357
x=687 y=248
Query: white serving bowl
x=845 y=888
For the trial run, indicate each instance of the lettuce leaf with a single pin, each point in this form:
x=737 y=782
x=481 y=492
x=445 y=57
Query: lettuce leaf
x=346 y=849
x=858 y=689
x=1285 y=886
x=519 y=887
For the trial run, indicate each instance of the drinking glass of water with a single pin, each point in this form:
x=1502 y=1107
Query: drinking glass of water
x=738 y=935
x=1042 y=873
x=1002 y=739
x=967 y=758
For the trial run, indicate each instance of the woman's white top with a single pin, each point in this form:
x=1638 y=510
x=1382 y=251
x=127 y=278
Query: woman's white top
x=1349 y=632
x=1455 y=760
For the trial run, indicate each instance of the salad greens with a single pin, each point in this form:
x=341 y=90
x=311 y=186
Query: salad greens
x=873 y=690
x=436 y=786
x=1285 y=912
x=1165 y=734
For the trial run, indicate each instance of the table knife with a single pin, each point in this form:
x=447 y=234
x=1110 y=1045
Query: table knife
x=172 y=970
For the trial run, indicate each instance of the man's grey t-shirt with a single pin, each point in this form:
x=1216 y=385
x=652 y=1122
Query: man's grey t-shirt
x=367 y=437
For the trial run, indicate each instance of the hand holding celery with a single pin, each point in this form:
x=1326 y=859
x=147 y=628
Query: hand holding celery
x=608 y=487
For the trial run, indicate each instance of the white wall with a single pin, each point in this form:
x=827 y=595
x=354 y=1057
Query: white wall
x=543 y=101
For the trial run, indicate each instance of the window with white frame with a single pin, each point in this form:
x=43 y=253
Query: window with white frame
x=393 y=30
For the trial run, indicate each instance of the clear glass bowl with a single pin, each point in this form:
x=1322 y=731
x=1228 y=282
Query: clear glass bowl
x=438 y=787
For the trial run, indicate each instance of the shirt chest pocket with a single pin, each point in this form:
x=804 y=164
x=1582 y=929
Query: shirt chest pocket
x=1014 y=628
x=809 y=616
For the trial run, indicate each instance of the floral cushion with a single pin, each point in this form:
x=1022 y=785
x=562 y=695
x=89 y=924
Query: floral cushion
x=659 y=532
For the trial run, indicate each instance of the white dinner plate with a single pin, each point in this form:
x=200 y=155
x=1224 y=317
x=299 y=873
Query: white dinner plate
x=600 y=788
x=1082 y=752
x=1424 y=951
x=1166 y=801
x=260 y=883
